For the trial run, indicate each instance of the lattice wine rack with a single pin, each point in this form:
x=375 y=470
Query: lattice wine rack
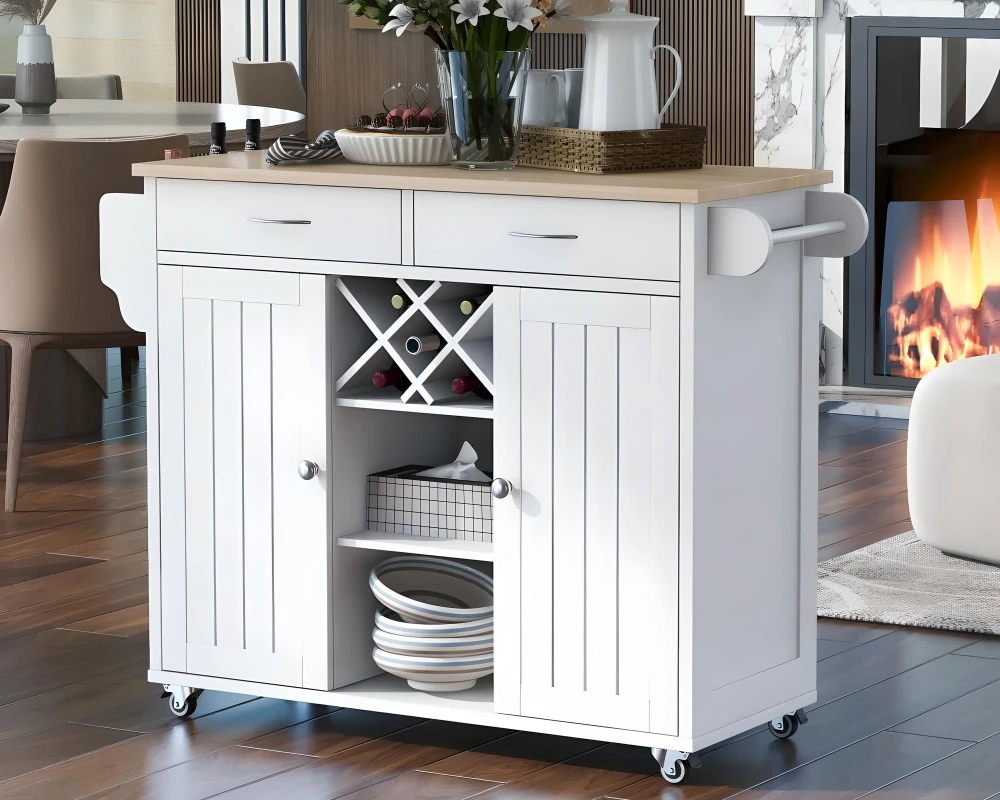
x=466 y=345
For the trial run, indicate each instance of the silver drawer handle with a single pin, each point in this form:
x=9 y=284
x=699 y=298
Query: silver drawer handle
x=521 y=235
x=280 y=221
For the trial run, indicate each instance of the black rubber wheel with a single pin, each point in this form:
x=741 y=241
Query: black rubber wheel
x=677 y=775
x=789 y=725
x=185 y=709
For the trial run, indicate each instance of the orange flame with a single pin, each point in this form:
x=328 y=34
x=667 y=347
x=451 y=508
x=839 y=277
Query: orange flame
x=946 y=299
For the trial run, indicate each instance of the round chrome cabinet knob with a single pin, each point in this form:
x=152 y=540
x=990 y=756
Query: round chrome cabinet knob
x=500 y=488
x=308 y=470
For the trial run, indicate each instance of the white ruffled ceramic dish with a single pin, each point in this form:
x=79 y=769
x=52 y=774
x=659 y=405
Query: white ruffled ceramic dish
x=424 y=589
x=436 y=674
x=415 y=149
x=391 y=622
x=449 y=647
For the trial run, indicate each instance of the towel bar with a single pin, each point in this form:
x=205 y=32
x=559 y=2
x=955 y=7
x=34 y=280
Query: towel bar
x=740 y=241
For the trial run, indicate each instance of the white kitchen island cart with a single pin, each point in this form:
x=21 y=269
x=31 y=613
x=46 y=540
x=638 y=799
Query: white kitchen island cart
x=646 y=347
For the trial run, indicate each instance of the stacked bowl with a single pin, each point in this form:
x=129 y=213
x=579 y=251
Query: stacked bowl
x=436 y=627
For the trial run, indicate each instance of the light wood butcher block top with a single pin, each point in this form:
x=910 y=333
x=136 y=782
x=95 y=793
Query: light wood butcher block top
x=705 y=185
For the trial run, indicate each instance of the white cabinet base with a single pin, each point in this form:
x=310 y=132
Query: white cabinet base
x=386 y=694
x=653 y=407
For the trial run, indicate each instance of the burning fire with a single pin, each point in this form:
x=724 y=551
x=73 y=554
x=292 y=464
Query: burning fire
x=945 y=301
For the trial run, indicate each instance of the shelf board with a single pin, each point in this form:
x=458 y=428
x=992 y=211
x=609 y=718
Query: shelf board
x=473 y=705
x=425 y=545
x=472 y=407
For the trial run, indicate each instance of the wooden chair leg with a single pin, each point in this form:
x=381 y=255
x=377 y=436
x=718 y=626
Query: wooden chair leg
x=22 y=348
x=129 y=356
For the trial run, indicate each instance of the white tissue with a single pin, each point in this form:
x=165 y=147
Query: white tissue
x=462 y=468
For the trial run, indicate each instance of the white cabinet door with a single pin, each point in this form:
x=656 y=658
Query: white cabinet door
x=245 y=541
x=586 y=544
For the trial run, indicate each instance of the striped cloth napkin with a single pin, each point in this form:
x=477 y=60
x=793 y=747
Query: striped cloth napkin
x=294 y=148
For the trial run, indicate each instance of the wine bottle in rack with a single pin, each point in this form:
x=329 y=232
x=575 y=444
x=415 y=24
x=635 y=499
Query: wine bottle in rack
x=470 y=304
x=464 y=384
x=427 y=343
x=400 y=301
x=390 y=377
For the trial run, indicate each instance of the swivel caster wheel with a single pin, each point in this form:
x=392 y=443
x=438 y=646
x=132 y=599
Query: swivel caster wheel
x=675 y=766
x=183 y=700
x=183 y=708
x=675 y=773
x=785 y=727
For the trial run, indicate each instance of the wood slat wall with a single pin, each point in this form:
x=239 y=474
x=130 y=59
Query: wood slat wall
x=349 y=69
x=199 y=77
x=715 y=41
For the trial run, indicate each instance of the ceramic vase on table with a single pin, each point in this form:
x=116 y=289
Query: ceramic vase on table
x=482 y=93
x=35 y=82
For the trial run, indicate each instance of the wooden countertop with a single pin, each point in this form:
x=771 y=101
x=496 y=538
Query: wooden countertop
x=688 y=186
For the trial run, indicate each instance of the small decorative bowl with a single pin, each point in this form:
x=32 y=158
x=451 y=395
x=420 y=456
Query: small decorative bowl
x=404 y=148
x=428 y=674
x=428 y=590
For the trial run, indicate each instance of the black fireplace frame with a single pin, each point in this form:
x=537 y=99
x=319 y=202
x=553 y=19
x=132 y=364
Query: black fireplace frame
x=859 y=276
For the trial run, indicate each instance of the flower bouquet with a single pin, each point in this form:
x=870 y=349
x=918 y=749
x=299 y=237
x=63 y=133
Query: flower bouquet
x=482 y=62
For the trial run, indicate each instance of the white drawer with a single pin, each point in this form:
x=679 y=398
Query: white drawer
x=280 y=220
x=547 y=235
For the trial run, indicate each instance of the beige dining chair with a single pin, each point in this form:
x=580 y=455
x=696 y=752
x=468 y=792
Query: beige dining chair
x=89 y=87
x=270 y=84
x=75 y=87
x=50 y=262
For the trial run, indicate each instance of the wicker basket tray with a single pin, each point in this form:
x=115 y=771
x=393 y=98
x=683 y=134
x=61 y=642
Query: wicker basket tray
x=601 y=152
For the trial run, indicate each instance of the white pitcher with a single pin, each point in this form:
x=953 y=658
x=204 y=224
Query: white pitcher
x=619 y=79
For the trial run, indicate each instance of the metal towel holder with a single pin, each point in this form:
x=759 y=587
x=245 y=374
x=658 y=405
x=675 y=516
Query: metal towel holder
x=740 y=241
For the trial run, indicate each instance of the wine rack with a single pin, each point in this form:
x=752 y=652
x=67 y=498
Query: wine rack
x=433 y=308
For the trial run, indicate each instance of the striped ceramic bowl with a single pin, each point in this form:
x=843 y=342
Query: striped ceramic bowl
x=391 y=622
x=441 y=674
x=428 y=590
x=449 y=647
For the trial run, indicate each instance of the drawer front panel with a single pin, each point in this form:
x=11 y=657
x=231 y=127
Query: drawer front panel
x=315 y=222
x=547 y=235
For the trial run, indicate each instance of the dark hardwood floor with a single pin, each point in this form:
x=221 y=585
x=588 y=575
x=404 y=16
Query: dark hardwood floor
x=902 y=713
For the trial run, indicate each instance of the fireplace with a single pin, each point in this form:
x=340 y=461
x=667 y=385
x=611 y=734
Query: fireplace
x=924 y=159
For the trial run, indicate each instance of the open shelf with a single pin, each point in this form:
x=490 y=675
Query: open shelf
x=425 y=545
x=381 y=399
x=388 y=692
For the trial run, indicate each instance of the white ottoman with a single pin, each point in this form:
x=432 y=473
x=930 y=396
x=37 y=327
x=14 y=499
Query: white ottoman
x=953 y=459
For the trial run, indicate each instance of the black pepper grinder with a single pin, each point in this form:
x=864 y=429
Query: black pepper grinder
x=218 y=138
x=253 y=135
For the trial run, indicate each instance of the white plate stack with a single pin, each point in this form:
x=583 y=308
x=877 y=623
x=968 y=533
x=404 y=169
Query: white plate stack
x=436 y=630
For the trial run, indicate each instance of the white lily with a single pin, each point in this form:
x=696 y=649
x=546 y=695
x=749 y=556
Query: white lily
x=517 y=12
x=470 y=11
x=402 y=19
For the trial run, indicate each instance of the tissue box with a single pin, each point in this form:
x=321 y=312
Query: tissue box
x=400 y=502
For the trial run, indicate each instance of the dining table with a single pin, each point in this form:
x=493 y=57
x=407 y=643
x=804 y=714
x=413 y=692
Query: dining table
x=119 y=119
x=66 y=400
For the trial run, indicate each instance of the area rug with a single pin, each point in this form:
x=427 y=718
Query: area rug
x=902 y=581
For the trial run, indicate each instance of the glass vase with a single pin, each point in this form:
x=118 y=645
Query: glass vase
x=482 y=93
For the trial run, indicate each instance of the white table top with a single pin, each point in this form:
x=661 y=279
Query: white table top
x=116 y=119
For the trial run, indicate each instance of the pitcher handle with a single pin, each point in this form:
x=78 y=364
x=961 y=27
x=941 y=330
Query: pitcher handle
x=677 y=81
x=562 y=103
